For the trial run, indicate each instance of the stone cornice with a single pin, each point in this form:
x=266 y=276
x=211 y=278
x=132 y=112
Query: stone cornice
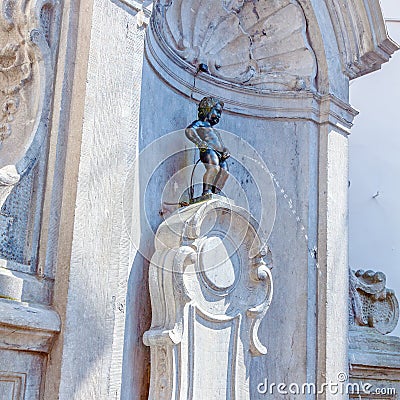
x=361 y=35
x=369 y=350
x=27 y=327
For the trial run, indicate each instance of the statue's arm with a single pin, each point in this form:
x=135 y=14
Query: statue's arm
x=192 y=135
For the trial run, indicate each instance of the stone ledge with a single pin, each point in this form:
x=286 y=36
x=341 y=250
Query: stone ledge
x=368 y=349
x=27 y=327
x=22 y=286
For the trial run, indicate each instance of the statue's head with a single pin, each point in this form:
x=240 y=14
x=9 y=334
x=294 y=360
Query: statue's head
x=210 y=110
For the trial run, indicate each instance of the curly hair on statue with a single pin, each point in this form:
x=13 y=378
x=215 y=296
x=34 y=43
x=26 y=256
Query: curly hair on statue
x=206 y=105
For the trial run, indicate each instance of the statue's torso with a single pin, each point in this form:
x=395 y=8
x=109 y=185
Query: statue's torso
x=211 y=136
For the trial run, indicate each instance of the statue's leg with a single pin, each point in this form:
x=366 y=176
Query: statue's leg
x=221 y=178
x=211 y=162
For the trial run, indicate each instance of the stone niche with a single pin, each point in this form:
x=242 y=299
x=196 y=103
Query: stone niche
x=210 y=286
x=28 y=46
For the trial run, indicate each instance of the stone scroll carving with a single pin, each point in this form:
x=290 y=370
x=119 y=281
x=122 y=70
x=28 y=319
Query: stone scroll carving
x=257 y=44
x=210 y=286
x=26 y=42
x=371 y=303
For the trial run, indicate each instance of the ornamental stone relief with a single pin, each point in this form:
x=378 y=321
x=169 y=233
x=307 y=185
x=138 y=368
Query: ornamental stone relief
x=242 y=42
x=371 y=303
x=27 y=31
x=16 y=71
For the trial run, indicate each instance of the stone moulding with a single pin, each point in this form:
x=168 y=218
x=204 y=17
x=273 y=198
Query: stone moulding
x=371 y=303
x=16 y=382
x=26 y=79
x=210 y=286
x=144 y=9
x=27 y=327
x=374 y=361
x=361 y=35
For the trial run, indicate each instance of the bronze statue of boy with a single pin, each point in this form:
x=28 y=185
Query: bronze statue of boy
x=213 y=153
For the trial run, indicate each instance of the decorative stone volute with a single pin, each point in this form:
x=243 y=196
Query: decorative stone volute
x=26 y=58
x=371 y=303
x=210 y=286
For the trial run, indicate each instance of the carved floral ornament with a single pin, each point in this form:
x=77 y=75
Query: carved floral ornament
x=26 y=30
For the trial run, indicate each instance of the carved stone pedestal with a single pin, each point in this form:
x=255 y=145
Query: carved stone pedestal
x=210 y=285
